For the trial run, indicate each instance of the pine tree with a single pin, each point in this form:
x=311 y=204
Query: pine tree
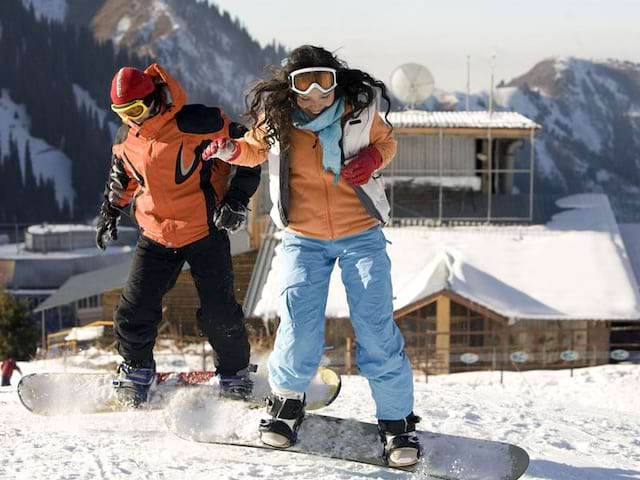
x=18 y=332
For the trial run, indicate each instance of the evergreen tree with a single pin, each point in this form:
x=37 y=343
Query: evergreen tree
x=18 y=332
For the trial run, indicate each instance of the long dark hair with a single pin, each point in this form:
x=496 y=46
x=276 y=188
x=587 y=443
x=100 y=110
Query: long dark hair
x=270 y=103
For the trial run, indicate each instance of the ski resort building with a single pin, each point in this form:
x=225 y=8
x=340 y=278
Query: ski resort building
x=486 y=273
x=36 y=268
x=520 y=296
x=90 y=299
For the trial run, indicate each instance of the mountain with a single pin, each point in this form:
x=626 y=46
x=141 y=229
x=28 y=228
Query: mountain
x=55 y=124
x=54 y=133
x=590 y=116
x=590 y=111
x=213 y=55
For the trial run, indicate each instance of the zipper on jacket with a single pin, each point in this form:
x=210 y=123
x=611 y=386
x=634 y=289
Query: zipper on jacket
x=326 y=190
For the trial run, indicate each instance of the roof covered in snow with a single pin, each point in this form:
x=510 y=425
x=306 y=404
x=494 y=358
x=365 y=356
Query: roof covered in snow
x=461 y=119
x=574 y=267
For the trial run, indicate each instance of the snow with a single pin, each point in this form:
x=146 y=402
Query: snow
x=124 y=24
x=85 y=334
x=463 y=183
x=84 y=99
x=579 y=255
x=52 y=10
x=584 y=426
x=460 y=119
x=48 y=161
x=15 y=251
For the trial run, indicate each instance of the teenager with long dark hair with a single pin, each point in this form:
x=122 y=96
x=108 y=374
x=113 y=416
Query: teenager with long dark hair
x=320 y=120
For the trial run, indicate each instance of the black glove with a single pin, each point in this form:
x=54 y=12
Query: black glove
x=107 y=226
x=230 y=215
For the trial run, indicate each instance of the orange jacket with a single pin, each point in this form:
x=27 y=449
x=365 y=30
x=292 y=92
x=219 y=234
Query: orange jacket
x=156 y=168
x=318 y=207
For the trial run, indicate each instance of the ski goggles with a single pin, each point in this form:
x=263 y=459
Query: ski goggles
x=134 y=110
x=302 y=81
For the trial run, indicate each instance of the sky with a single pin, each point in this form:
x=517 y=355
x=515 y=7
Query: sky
x=506 y=36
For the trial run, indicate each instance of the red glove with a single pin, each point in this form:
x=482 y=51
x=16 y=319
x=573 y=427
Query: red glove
x=222 y=148
x=359 y=170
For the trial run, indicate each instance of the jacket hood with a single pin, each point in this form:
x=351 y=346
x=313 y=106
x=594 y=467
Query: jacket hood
x=175 y=99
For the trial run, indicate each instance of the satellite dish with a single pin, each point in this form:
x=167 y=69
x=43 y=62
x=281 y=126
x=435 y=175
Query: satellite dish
x=411 y=83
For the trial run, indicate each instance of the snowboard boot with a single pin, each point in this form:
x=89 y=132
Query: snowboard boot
x=238 y=386
x=287 y=413
x=401 y=445
x=133 y=383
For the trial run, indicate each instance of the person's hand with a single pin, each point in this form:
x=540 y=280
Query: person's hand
x=359 y=170
x=107 y=226
x=230 y=215
x=223 y=148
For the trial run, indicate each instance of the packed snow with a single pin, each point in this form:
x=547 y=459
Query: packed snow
x=584 y=426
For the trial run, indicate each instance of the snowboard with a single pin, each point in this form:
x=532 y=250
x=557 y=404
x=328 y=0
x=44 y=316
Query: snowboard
x=445 y=457
x=83 y=393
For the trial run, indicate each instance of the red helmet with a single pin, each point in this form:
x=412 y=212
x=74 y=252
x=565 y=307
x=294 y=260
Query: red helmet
x=130 y=84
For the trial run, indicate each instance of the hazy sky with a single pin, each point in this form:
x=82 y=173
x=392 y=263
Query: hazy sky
x=377 y=36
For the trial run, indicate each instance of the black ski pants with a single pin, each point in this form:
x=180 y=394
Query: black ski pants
x=154 y=271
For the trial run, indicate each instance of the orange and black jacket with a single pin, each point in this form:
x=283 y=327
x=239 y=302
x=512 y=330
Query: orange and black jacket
x=156 y=168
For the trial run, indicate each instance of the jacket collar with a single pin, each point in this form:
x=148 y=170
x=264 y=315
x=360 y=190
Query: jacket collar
x=175 y=96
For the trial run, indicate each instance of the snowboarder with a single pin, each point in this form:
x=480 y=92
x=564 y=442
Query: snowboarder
x=8 y=366
x=184 y=207
x=332 y=142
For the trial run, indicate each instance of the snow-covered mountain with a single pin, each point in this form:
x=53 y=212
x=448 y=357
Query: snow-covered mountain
x=211 y=54
x=204 y=46
x=590 y=116
x=589 y=109
x=214 y=56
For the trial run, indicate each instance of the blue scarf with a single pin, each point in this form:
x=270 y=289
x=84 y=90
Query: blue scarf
x=329 y=130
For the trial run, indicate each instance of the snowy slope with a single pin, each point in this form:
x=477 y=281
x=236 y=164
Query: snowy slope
x=48 y=161
x=585 y=427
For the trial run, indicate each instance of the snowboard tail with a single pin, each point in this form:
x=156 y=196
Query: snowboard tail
x=83 y=393
x=445 y=457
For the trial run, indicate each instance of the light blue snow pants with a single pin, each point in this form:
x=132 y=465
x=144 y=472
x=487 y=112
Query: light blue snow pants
x=366 y=274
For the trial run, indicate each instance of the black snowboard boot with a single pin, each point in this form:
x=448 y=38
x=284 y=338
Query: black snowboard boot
x=400 y=441
x=133 y=383
x=281 y=430
x=238 y=386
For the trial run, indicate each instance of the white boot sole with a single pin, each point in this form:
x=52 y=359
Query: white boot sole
x=275 y=440
x=403 y=457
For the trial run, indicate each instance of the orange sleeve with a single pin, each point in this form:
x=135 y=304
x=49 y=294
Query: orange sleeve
x=254 y=149
x=381 y=137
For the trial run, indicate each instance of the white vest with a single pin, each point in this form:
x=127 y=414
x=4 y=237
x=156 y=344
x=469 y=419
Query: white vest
x=355 y=137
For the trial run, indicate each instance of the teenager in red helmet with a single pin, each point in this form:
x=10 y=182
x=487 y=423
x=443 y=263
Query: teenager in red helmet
x=184 y=207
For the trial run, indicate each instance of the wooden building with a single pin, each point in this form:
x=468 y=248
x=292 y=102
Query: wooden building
x=498 y=297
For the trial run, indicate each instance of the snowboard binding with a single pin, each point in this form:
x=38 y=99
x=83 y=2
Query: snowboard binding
x=133 y=384
x=238 y=386
x=287 y=414
x=400 y=441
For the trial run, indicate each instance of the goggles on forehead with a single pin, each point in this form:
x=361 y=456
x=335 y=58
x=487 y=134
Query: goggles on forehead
x=132 y=110
x=302 y=81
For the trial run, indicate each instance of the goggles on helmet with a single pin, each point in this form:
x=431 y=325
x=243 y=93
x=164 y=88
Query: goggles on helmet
x=302 y=81
x=134 y=110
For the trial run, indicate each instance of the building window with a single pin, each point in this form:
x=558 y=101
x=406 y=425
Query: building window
x=89 y=302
